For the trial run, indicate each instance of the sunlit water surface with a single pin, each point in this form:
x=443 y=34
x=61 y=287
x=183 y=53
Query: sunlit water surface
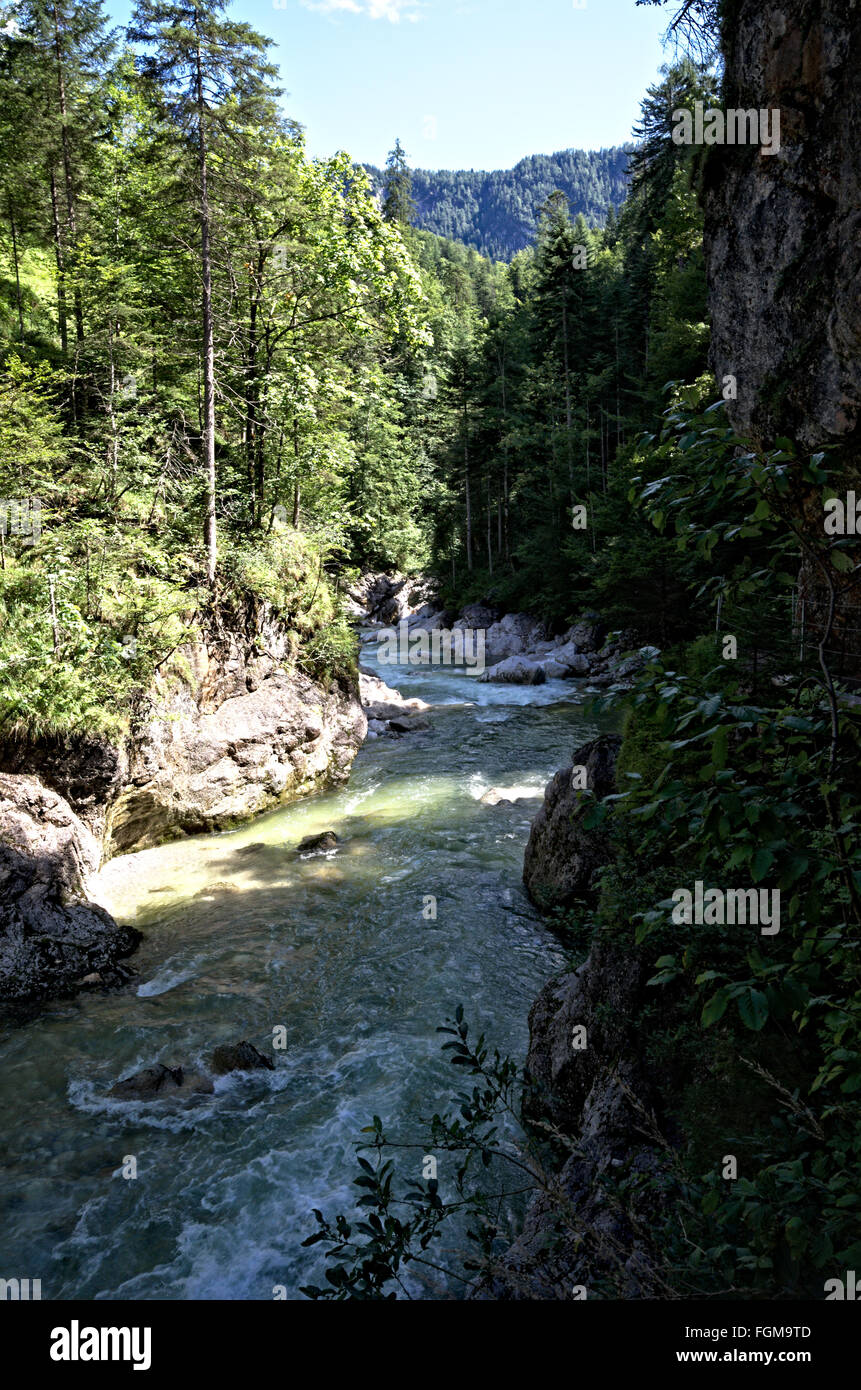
x=241 y=935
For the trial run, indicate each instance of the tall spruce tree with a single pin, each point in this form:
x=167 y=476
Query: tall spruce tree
x=398 y=205
x=215 y=84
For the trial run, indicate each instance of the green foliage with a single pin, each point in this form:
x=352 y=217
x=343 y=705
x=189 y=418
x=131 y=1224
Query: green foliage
x=747 y=779
x=318 y=325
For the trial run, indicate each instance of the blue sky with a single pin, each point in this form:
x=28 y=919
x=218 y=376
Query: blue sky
x=463 y=83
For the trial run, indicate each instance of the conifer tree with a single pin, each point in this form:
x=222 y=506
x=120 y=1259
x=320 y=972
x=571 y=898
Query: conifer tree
x=215 y=83
x=398 y=205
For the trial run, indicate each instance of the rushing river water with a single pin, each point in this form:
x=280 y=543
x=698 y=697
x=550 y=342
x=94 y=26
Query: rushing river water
x=242 y=935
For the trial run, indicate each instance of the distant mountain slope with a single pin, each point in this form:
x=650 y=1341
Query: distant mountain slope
x=497 y=211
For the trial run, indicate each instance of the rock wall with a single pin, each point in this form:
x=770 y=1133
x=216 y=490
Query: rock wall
x=783 y=231
x=228 y=728
x=783 y=256
x=51 y=936
x=591 y=1100
x=597 y=1097
x=205 y=763
x=561 y=858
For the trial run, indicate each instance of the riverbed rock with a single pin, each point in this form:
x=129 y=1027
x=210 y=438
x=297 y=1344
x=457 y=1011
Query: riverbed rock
x=313 y=844
x=513 y=635
x=576 y=662
x=562 y=857
x=389 y=714
x=160 y=1082
x=241 y=1056
x=409 y=724
x=147 y=1083
x=587 y=633
x=619 y=660
x=382 y=702
x=495 y=796
x=554 y=670
x=515 y=670
x=51 y=934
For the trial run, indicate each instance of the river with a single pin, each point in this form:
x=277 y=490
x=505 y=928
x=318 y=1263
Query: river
x=242 y=936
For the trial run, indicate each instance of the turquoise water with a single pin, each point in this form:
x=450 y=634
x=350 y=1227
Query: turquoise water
x=334 y=948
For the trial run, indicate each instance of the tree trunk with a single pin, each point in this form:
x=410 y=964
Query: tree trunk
x=466 y=483
x=567 y=399
x=210 y=533
x=253 y=452
x=296 y=493
x=62 y=321
x=71 y=209
x=506 y=547
x=15 y=260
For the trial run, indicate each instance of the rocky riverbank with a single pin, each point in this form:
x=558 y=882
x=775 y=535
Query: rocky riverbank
x=228 y=728
x=517 y=648
x=53 y=939
x=596 y=1098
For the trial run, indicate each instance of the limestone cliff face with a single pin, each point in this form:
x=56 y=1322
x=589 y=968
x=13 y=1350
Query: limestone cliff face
x=783 y=231
x=51 y=936
x=229 y=727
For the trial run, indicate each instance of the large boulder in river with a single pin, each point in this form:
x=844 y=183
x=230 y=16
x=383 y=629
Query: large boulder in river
x=516 y=670
x=315 y=844
x=51 y=935
x=562 y=857
x=409 y=724
x=159 y=1081
x=513 y=635
x=381 y=701
x=241 y=1056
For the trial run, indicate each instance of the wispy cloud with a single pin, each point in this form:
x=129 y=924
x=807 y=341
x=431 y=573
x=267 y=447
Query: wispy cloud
x=392 y=10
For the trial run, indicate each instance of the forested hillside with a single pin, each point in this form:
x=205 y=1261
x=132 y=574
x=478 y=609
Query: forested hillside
x=497 y=212
x=202 y=331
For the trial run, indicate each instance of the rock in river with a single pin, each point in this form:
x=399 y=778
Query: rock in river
x=313 y=844
x=241 y=1056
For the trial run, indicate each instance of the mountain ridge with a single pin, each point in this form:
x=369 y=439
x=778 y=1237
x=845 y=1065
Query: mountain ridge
x=496 y=210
